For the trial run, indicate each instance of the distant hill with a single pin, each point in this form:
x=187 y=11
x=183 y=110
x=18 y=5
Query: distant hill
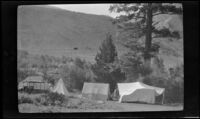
x=58 y=32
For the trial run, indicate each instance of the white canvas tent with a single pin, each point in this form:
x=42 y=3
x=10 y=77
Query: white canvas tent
x=128 y=89
x=96 y=91
x=60 y=88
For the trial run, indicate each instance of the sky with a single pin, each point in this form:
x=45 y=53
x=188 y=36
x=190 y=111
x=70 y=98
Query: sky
x=97 y=9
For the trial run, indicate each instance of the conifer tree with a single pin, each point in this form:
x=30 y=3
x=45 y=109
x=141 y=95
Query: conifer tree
x=105 y=59
x=107 y=52
x=142 y=14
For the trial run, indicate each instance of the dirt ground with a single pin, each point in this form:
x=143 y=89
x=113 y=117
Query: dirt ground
x=145 y=107
x=78 y=104
x=109 y=106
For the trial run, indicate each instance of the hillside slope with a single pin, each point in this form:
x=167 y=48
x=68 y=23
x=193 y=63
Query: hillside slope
x=56 y=32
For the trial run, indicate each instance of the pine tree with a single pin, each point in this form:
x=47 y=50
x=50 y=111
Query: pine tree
x=107 y=52
x=106 y=55
x=104 y=67
x=142 y=14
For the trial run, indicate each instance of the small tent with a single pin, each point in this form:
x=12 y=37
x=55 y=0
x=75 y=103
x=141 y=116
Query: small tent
x=96 y=91
x=60 y=88
x=138 y=92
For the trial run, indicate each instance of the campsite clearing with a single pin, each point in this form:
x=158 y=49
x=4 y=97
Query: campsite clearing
x=91 y=106
x=74 y=102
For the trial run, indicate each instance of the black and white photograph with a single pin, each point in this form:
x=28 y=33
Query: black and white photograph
x=126 y=57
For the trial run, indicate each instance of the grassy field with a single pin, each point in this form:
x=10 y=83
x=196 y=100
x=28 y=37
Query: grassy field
x=114 y=107
x=77 y=104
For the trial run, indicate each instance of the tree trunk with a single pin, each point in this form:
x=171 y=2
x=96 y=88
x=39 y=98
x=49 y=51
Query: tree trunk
x=147 y=57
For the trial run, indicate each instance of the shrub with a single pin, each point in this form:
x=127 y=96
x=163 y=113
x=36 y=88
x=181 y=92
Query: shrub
x=176 y=83
x=51 y=79
x=133 y=66
x=72 y=106
x=173 y=89
x=53 y=99
x=37 y=100
x=74 y=76
x=80 y=63
x=78 y=77
x=174 y=92
x=173 y=84
x=24 y=99
x=41 y=100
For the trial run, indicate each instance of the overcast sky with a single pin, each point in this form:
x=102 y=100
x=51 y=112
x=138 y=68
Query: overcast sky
x=98 y=9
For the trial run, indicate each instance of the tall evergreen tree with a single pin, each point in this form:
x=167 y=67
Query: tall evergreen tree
x=105 y=59
x=107 y=52
x=142 y=14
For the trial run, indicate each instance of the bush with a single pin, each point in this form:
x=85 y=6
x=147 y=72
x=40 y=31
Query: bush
x=41 y=101
x=77 y=76
x=72 y=106
x=176 y=82
x=173 y=84
x=24 y=99
x=53 y=99
x=79 y=63
x=173 y=89
x=74 y=76
x=174 y=92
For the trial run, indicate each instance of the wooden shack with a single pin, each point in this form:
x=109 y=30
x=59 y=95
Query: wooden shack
x=34 y=82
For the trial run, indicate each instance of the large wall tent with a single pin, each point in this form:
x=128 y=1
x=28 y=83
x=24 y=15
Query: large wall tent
x=138 y=92
x=96 y=91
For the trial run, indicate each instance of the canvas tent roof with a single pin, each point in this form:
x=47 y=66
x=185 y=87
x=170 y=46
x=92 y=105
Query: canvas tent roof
x=60 y=88
x=96 y=91
x=129 y=88
x=141 y=95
